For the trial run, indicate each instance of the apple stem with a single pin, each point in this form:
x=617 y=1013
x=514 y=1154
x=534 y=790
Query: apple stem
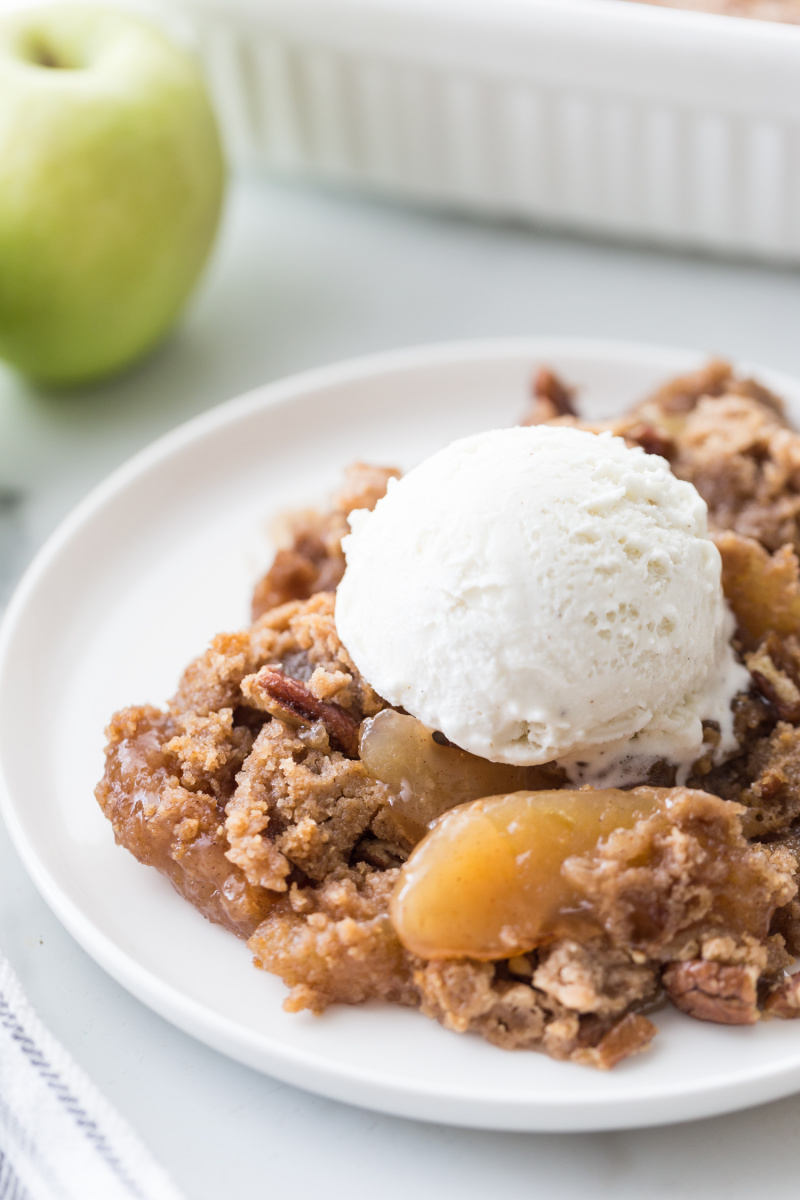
x=43 y=56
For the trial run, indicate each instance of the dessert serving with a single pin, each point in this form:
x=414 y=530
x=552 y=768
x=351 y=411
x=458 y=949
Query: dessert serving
x=529 y=772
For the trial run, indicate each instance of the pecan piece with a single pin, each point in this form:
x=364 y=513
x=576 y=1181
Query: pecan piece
x=548 y=387
x=628 y=1036
x=711 y=991
x=297 y=572
x=784 y=999
x=788 y=709
x=292 y=576
x=774 y=668
x=651 y=441
x=379 y=853
x=293 y=699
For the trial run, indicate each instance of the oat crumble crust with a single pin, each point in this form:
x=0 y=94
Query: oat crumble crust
x=248 y=793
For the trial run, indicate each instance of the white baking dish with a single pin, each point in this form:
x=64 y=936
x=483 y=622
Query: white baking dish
x=597 y=115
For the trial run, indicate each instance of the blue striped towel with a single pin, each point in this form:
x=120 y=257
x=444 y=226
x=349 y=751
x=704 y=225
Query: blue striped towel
x=60 y=1139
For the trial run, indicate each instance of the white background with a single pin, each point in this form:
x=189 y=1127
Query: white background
x=300 y=279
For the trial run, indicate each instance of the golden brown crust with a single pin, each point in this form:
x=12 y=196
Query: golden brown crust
x=676 y=878
x=312 y=560
x=732 y=442
x=336 y=944
x=298 y=804
x=163 y=790
x=594 y=977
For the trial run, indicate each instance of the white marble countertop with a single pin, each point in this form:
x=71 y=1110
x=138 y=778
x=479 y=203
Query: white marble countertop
x=299 y=279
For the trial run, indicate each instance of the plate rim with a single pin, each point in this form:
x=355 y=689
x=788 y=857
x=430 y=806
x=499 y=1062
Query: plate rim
x=656 y=1105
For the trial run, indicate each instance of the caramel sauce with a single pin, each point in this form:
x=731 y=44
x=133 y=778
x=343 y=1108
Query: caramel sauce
x=140 y=797
x=486 y=882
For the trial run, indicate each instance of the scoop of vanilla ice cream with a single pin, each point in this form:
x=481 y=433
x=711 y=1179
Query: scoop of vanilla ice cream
x=544 y=594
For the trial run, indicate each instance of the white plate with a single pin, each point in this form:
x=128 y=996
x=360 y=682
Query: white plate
x=134 y=583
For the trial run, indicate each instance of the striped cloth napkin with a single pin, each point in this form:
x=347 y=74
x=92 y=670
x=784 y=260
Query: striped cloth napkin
x=60 y=1139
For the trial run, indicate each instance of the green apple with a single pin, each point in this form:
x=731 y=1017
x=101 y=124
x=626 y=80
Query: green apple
x=111 y=185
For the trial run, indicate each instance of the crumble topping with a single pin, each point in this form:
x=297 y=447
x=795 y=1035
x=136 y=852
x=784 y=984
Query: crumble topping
x=248 y=791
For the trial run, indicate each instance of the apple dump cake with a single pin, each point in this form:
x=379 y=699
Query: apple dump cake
x=530 y=772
